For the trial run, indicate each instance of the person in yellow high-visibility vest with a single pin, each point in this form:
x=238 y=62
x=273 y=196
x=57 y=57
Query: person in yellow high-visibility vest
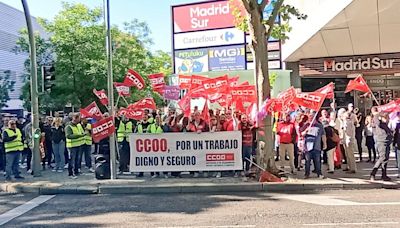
x=13 y=145
x=156 y=128
x=86 y=149
x=74 y=135
x=124 y=128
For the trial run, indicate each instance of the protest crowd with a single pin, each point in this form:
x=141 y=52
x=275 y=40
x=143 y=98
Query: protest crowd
x=304 y=131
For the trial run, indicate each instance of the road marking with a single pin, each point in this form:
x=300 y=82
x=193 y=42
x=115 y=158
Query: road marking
x=226 y=226
x=353 y=224
x=330 y=200
x=22 y=209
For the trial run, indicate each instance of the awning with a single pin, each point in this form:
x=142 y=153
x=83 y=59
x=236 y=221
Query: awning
x=361 y=27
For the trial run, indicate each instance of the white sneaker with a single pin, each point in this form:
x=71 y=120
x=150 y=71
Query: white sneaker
x=154 y=176
x=218 y=175
x=54 y=170
x=166 y=176
x=60 y=171
x=66 y=166
x=91 y=170
x=73 y=177
x=29 y=171
x=195 y=175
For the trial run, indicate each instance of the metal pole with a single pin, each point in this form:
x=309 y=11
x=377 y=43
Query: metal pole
x=110 y=88
x=34 y=94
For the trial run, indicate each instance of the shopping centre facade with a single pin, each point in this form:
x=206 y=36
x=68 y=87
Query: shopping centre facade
x=341 y=39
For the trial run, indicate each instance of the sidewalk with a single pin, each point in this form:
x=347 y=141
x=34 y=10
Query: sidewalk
x=59 y=183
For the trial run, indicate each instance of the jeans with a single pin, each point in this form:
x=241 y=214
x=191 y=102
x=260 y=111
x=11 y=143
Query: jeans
x=73 y=154
x=12 y=159
x=246 y=153
x=86 y=150
x=49 y=152
x=58 y=150
x=314 y=155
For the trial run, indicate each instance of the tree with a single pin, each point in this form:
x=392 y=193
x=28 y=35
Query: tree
x=250 y=17
x=6 y=86
x=77 y=43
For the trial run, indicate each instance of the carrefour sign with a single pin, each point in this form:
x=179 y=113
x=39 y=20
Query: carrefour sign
x=208 y=38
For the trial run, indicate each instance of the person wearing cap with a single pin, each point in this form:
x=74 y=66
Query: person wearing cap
x=13 y=145
x=383 y=138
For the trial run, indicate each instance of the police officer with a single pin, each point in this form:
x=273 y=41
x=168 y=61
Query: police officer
x=74 y=135
x=13 y=145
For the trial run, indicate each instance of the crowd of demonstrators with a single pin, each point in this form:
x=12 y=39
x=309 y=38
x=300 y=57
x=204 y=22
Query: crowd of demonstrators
x=305 y=140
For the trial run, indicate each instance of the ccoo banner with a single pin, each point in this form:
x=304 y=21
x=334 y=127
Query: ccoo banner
x=186 y=152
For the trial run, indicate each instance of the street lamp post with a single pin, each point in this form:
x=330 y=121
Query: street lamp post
x=110 y=86
x=34 y=94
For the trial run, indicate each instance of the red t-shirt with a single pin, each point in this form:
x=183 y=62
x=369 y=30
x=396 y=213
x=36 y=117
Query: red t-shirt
x=286 y=132
x=247 y=134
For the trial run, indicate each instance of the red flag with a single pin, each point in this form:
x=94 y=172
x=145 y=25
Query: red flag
x=122 y=89
x=134 y=114
x=246 y=93
x=197 y=81
x=285 y=99
x=184 y=81
x=393 y=106
x=102 y=129
x=273 y=105
x=91 y=111
x=244 y=83
x=133 y=78
x=239 y=106
x=184 y=103
x=217 y=85
x=358 y=84
x=233 y=81
x=157 y=82
x=205 y=114
x=251 y=112
x=328 y=90
x=101 y=94
x=146 y=103
x=313 y=100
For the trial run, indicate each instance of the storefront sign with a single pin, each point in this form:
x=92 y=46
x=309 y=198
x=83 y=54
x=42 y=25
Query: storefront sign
x=272 y=65
x=203 y=16
x=351 y=64
x=171 y=152
x=227 y=58
x=208 y=38
x=191 y=61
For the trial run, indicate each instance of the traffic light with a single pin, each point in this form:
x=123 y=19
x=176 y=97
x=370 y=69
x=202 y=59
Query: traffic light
x=48 y=74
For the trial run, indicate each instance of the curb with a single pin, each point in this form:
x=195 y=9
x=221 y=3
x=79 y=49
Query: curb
x=209 y=188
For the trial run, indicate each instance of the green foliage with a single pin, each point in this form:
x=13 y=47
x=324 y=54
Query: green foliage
x=6 y=86
x=279 y=31
x=272 y=78
x=77 y=43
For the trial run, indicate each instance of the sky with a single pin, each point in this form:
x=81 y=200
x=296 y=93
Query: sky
x=156 y=13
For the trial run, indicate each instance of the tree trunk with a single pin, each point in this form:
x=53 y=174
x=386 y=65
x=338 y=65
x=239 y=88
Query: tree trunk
x=261 y=75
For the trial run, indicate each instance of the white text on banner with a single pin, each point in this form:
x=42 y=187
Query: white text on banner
x=168 y=152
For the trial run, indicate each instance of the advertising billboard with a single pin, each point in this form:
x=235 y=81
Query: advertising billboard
x=208 y=38
x=191 y=61
x=203 y=16
x=227 y=58
x=272 y=65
